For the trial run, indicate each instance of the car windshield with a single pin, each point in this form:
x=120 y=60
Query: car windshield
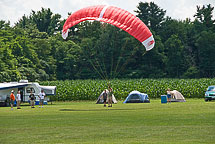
x=211 y=88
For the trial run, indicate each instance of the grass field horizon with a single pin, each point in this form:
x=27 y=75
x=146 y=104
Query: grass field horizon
x=86 y=122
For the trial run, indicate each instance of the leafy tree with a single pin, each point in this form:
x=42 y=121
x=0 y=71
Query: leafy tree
x=173 y=27
x=23 y=22
x=175 y=64
x=151 y=14
x=4 y=25
x=44 y=20
x=67 y=58
x=204 y=15
x=152 y=63
x=192 y=72
x=89 y=60
x=206 y=46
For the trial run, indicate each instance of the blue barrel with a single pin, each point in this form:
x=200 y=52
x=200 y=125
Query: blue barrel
x=163 y=99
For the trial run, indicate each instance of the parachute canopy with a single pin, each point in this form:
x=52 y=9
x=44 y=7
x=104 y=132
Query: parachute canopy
x=115 y=16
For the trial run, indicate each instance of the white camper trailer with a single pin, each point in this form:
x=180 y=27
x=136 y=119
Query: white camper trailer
x=25 y=89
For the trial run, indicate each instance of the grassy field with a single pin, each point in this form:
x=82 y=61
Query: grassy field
x=87 y=122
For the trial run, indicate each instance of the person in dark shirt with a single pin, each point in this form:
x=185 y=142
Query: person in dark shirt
x=105 y=97
x=32 y=99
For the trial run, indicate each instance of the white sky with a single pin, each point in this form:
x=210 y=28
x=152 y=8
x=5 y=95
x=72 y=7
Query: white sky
x=13 y=10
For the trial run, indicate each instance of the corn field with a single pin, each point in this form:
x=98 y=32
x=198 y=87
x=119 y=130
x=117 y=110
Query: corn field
x=90 y=89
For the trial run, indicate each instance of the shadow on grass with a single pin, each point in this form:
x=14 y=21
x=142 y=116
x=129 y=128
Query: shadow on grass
x=107 y=109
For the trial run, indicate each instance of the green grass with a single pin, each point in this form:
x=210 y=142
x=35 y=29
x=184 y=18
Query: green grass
x=87 y=122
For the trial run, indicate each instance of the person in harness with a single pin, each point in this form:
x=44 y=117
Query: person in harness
x=110 y=96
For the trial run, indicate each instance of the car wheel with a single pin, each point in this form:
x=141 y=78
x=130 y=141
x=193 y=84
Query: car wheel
x=206 y=99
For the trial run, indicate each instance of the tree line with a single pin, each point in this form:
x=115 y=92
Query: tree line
x=33 y=48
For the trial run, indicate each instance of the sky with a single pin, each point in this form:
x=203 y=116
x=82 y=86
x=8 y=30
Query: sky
x=13 y=10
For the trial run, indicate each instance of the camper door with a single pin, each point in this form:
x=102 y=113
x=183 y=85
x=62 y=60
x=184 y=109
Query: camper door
x=31 y=88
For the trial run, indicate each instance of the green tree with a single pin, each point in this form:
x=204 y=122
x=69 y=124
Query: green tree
x=4 y=25
x=204 y=15
x=175 y=64
x=203 y=22
x=44 y=54
x=206 y=47
x=152 y=63
x=151 y=14
x=173 y=27
x=44 y=20
x=67 y=57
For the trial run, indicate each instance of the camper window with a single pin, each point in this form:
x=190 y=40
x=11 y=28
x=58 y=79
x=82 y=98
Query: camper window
x=29 y=89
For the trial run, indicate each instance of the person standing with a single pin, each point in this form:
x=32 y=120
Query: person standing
x=169 y=93
x=105 y=97
x=32 y=99
x=41 y=97
x=18 y=99
x=110 y=96
x=12 y=99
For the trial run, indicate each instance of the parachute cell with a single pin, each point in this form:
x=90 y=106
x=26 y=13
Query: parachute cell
x=115 y=16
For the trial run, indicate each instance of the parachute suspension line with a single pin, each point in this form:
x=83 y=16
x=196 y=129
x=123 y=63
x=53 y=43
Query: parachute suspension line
x=122 y=68
x=91 y=62
x=112 y=57
x=96 y=69
x=124 y=65
x=103 y=63
x=104 y=73
x=105 y=70
x=100 y=67
x=144 y=53
x=120 y=57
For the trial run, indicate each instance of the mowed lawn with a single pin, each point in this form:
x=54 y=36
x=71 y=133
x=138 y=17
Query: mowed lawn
x=87 y=122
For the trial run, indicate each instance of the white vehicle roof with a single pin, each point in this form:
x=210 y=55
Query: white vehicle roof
x=48 y=87
x=12 y=85
x=25 y=83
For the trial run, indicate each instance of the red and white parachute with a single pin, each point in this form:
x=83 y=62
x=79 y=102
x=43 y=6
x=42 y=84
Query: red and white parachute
x=115 y=16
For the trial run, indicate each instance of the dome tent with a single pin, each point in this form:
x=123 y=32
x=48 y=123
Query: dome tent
x=100 y=99
x=177 y=96
x=137 y=97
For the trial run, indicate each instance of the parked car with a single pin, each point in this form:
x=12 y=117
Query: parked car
x=210 y=93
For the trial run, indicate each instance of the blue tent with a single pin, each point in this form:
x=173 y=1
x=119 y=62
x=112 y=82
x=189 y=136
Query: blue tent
x=137 y=97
